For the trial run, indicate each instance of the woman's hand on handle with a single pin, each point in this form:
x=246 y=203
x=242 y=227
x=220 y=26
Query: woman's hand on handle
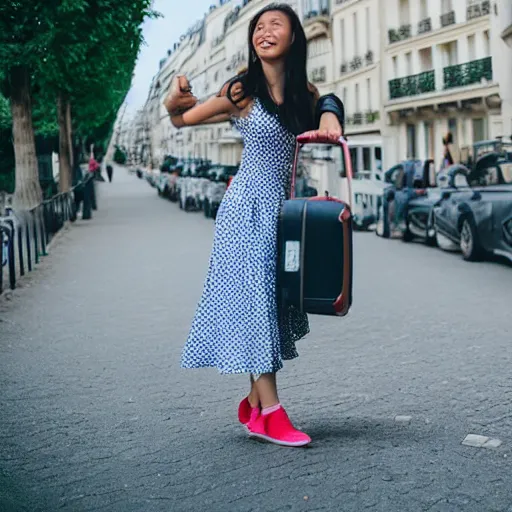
x=330 y=125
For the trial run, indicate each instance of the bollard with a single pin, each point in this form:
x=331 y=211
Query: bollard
x=87 y=204
x=20 y=249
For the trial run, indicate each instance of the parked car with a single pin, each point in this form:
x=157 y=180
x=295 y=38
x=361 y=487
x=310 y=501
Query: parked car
x=219 y=176
x=402 y=183
x=419 y=218
x=478 y=220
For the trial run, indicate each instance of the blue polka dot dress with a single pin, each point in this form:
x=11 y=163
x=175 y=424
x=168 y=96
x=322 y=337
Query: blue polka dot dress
x=239 y=326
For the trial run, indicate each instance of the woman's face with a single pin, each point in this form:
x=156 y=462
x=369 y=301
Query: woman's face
x=272 y=36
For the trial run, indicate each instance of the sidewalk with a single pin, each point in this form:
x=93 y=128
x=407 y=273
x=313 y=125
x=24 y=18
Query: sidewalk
x=97 y=415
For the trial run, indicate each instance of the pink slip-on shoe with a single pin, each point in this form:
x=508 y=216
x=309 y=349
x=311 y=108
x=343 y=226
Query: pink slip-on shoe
x=277 y=428
x=246 y=412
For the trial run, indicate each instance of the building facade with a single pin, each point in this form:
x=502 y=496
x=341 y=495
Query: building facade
x=408 y=71
x=438 y=75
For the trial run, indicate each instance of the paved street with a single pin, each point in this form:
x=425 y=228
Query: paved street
x=97 y=415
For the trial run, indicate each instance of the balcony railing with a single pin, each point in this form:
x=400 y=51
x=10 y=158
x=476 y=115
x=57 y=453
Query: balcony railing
x=369 y=58
x=318 y=74
x=323 y=12
x=358 y=118
x=344 y=68
x=424 y=26
x=372 y=116
x=478 y=9
x=356 y=63
x=412 y=85
x=468 y=73
x=448 y=19
x=404 y=32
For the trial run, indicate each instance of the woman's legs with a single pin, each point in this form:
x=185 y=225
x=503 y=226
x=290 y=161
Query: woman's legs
x=266 y=390
x=254 y=398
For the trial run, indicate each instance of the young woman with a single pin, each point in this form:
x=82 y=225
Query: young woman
x=240 y=326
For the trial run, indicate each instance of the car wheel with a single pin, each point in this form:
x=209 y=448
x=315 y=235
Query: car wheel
x=407 y=235
x=469 y=244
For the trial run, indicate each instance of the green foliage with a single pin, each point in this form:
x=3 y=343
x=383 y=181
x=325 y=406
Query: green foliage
x=82 y=50
x=6 y=148
x=119 y=156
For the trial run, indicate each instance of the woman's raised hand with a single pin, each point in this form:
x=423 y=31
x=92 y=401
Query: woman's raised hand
x=180 y=97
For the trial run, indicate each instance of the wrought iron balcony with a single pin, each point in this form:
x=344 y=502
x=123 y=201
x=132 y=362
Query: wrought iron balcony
x=404 y=32
x=358 y=118
x=372 y=116
x=476 y=10
x=344 y=68
x=469 y=73
x=323 y=12
x=356 y=63
x=318 y=74
x=424 y=26
x=369 y=58
x=412 y=85
x=448 y=19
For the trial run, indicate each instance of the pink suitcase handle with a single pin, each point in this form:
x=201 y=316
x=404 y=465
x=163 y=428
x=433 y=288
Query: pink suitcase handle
x=315 y=138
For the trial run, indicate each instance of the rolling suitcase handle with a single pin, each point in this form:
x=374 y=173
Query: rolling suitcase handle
x=315 y=138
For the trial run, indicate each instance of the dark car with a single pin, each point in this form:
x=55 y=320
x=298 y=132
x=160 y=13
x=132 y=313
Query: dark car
x=419 y=218
x=479 y=219
x=406 y=181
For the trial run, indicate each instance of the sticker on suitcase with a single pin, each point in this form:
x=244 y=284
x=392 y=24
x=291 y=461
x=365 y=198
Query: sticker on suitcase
x=292 y=256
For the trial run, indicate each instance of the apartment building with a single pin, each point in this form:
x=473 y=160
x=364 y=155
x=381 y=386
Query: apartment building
x=438 y=75
x=356 y=67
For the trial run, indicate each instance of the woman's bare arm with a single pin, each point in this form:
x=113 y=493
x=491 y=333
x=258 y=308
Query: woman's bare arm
x=213 y=110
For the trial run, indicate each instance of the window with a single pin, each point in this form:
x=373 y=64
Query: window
x=368 y=29
x=487 y=43
x=367 y=164
x=428 y=141
x=423 y=9
x=369 y=94
x=411 y=141
x=404 y=12
x=446 y=6
x=478 y=130
x=452 y=128
x=426 y=63
x=354 y=28
x=343 y=39
x=408 y=63
x=471 y=47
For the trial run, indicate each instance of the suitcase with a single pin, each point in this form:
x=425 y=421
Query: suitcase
x=315 y=246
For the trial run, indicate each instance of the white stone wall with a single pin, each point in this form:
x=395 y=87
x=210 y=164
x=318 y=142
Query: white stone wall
x=414 y=124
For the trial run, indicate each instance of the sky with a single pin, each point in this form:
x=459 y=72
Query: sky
x=160 y=35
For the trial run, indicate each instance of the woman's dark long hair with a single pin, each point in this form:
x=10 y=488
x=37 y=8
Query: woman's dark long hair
x=297 y=111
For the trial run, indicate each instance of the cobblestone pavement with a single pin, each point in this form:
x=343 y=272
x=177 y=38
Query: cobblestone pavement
x=97 y=415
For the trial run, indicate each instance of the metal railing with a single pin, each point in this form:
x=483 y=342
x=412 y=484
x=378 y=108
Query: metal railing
x=24 y=236
x=412 y=85
x=468 y=73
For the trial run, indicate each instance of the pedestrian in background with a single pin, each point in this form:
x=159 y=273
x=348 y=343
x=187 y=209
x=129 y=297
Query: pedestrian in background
x=240 y=326
x=447 y=155
x=110 y=172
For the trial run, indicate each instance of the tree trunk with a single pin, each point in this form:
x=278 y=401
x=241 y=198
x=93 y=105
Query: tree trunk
x=27 y=193
x=70 y=134
x=64 y=146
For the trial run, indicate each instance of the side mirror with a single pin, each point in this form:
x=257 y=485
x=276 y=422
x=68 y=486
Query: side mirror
x=445 y=194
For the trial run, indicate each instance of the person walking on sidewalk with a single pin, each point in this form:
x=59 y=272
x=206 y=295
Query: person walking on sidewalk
x=110 y=172
x=240 y=326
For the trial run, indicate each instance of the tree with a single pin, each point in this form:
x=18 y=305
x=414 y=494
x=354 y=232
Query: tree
x=76 y=58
